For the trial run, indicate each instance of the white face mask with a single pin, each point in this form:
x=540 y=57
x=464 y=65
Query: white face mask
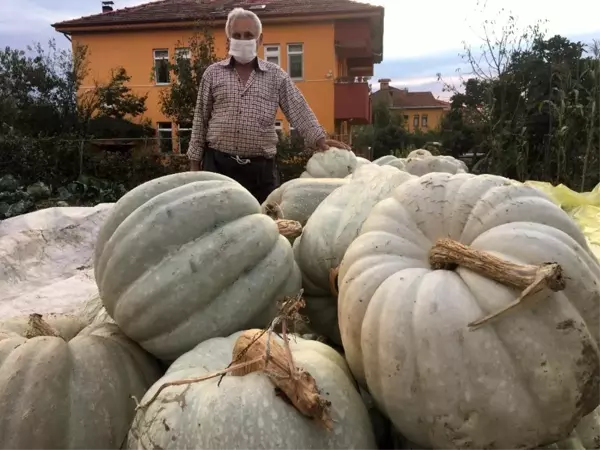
x=243 y=51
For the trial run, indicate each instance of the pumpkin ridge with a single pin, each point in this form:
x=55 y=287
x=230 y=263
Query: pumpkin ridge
x=142 y=222
x=221 y=304
x=211 y=249
x=139 y=195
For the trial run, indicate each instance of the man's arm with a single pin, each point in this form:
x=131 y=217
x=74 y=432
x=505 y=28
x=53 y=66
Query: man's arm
x=201 y=117
x=299 y=114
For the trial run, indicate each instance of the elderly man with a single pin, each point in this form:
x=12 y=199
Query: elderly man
x=234 y=122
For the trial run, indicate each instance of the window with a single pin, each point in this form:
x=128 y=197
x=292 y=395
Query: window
x=295 y=61
x=272 y=54
x=416 y=121
x=184 y=133
x=165 y=136
x=424 y=120
x=161 y=66
x=405 y=119
x=183 y=53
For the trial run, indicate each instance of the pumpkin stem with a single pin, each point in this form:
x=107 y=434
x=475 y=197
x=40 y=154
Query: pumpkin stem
x=38 y=327
x=333 y=281
x=448 y=254
x=289 y=228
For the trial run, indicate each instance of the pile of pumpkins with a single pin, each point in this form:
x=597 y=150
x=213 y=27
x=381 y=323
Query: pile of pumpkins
x=187 y=263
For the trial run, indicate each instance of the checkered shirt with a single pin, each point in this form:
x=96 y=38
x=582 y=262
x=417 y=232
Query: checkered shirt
x=240 y=120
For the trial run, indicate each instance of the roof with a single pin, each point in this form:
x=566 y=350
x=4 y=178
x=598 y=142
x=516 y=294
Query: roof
x=187 y=10
x=402 y=98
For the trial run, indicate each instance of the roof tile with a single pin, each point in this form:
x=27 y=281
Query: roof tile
x=185 y=10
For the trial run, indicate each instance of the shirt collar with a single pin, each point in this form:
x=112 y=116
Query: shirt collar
x=257 y=63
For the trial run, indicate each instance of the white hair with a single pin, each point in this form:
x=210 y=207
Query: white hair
x=241 y=13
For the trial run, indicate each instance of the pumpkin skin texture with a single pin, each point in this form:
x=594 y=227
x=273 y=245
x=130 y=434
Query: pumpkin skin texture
x=189 y=257
x=423 y=165
x=520 y=382
x=360 y=161
x=244 y=412
x=332 y=163
x=56 y=394
x=337 y=221
x=384 y=160
x=322 y=317
x=297 y=199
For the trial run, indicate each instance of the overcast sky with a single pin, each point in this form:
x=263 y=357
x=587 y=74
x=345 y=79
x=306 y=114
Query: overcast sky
x=421 y=38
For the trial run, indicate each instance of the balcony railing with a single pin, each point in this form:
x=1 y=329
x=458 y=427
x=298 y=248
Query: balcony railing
x=352 y=100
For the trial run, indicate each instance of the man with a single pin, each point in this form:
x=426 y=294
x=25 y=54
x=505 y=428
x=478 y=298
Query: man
x=234 y=121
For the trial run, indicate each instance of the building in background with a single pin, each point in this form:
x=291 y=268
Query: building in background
x=329 y=47
x=421 y=111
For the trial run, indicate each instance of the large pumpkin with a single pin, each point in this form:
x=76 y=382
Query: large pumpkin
x=522 y=380
x=333 y=163
x=57 y=393
x=187 y=257
x=337 y=221
x=246 y=411
x=297 y=199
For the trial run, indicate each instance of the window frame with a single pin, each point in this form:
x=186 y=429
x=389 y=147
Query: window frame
x=272 y=53
x=161 y=127
x=416 y=121
x=291 y=53
x=424 y=121
x=156 y=60
x=187 y=127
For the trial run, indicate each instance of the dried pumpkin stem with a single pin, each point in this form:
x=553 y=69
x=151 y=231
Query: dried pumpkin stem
x=333 y=281
x=289 y=228
x=255 y=350
x=448 y=254
x=38 y=327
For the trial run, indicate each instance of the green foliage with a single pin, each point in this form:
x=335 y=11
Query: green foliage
x=387 y=134
x=178 y=100
x=291 y=156
x=115 y=99
x=535 y=113
x=38 y=89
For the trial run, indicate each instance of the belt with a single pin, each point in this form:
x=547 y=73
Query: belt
x=245 y=160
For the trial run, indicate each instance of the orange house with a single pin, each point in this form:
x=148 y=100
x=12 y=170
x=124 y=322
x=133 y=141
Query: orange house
x=329 y=47
x=421 y=111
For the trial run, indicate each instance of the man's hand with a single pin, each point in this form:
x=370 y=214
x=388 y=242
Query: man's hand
x=324 y=144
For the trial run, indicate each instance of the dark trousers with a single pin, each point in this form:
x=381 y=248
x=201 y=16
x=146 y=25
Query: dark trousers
x=259 y=176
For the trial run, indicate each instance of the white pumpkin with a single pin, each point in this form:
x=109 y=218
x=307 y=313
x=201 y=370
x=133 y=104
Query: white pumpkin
x=245 y=411
x=585 y=436
x=398 y=163
x=297 y=199
x=360 y=161
x=518 y=382
x=333 y=163
x=421 y=165
x=72 y=391
x=384 y=160
x=187 y=257
x=419 y=153
x=337 y=221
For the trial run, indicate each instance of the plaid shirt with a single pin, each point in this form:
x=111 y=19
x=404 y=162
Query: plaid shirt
x=240 y=120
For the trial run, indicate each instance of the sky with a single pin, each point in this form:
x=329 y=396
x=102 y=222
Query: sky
x=421 y=39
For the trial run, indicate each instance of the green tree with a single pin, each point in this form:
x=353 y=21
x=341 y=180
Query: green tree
x=530 y=107
x=178 y=100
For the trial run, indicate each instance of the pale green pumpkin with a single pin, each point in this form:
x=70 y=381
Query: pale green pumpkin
x=70 y=392
x=188 y=257
x=245 y=411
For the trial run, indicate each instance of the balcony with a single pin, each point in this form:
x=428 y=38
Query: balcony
x=353 y=39
x=352 y=101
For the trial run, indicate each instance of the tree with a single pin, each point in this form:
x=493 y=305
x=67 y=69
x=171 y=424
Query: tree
x=40 y=92
x=530 y=107
x=178 y=100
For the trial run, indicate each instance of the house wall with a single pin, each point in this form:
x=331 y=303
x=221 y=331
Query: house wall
x=434 y=118
x=133 y=50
